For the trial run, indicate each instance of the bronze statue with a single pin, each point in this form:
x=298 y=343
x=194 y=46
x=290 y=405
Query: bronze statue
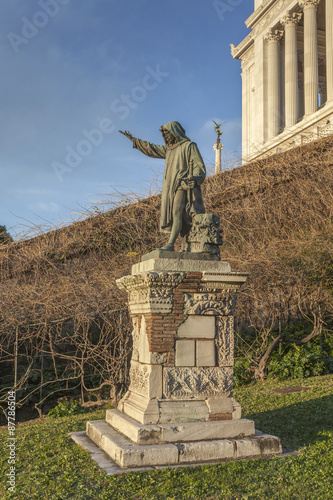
x=183 y=174
x=217 y=128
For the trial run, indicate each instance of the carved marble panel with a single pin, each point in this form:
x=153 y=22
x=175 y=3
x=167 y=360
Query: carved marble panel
x=135 y=336
x=209 y=303
x=139 y=377
x=197 y=383
x=225 y=340
x=146 y=380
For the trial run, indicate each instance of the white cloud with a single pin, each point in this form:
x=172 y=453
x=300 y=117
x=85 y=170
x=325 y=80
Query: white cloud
x=44 y=207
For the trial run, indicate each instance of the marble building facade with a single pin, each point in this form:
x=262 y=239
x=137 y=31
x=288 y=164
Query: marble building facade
x=287 y=75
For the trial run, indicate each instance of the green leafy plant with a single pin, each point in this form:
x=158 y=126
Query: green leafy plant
x=242 y=375
x=65 y=409
x=301 y=361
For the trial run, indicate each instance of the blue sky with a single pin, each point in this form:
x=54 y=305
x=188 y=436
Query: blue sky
x=74 y=72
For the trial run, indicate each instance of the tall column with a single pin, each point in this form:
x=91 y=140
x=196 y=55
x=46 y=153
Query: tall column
x=311 y=82
x=291 y=71
x=273 y=83
x=329 y=49
x=218 y=148
x=259 y=120
x=245 y=113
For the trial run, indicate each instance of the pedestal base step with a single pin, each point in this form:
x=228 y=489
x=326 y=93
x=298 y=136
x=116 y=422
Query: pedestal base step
x=128 y=454
x=178 y=432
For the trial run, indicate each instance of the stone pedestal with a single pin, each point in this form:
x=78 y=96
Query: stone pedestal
x=180 y=407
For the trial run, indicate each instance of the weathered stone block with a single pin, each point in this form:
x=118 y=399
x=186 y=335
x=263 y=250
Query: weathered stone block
x=197 y=327
x=182 y=411
x=220 y=405
x=202 y=431
x=205 y=353
x=184 y=265
x=178 y=432
x=258 y=446
x=185 y=353
x=204 y=451
x=127 y=454
x=141 y=408
x=138 y=433
x=237 y=410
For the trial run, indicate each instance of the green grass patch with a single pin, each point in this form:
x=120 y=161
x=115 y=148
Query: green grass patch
x=51 y=466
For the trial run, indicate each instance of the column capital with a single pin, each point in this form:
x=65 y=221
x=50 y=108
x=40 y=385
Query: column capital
x=308 y=3
x=292 y=17
x=273 y=35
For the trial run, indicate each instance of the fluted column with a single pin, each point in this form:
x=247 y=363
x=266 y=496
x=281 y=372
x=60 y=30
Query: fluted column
x=329 y=49
x=291 y=68
x=311 y=82
x=273 y=83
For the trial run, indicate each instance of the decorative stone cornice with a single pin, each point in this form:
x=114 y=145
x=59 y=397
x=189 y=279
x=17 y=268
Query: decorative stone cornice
x=151 y=292
x=291 y=18
x=273 y=35
x=258 y=13
x=236 y=52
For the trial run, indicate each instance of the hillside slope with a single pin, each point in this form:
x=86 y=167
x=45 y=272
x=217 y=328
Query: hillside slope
x=58 y=292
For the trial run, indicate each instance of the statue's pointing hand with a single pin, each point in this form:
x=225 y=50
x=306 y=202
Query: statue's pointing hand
x=127 y=134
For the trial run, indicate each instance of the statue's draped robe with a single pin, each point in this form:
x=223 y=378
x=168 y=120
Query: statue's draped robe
x=177 y=161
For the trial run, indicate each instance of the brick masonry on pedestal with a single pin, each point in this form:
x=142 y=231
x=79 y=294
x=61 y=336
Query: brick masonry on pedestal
x=182 y=345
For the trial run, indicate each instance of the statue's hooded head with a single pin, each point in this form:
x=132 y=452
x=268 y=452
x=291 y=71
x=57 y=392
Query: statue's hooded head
x=177 y=133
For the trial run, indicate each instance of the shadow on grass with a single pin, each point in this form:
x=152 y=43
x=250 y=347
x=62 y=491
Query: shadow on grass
x=299 y=424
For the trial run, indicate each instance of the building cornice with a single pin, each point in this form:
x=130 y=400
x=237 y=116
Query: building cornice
x=251 y=21
x=269 y=10
x=238 y=51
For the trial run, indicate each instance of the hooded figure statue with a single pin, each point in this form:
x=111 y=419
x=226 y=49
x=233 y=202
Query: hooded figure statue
x=183 y=174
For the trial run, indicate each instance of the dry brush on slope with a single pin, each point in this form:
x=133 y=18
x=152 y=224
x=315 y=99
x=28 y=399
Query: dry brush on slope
x=65 y=321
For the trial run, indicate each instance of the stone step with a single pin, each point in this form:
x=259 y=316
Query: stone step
x=175 y=433
x=127 y=454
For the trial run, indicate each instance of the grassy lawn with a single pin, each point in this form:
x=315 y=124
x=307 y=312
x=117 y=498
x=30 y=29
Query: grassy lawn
x=50 y=466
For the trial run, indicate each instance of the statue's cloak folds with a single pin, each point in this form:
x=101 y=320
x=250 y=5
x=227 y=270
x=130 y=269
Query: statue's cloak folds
x=177 y=160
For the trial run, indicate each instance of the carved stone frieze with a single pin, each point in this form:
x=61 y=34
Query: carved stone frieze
x=225 y=340
x=146 y=379
x=209 y=303
x=218 y=287
x=197 y=383
x=139 y=376
x=151 y=291
x=270 y=15
x=135 y=336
